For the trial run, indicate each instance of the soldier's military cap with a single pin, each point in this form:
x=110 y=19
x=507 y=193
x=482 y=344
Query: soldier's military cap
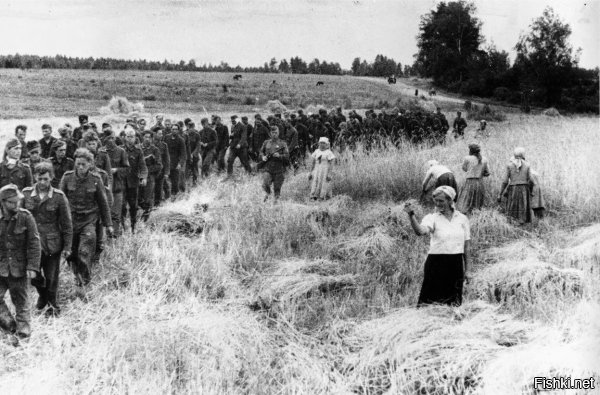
x=83 y=118
x=46 y=126
x=10 y=190
x=33 y=145
x=11 y=144
x=244 y=118
x=234 y=117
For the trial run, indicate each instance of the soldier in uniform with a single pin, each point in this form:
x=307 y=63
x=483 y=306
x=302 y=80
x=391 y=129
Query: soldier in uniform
x=177 y=157
x=52 y=215
x=21 y=135
x=12 y=170
x=222 y=143
x=259 y=136
x=119 y=166
x=162 y=177
x=459 y=125
x=60 y=162
x=194 y=149
x=78 y=132
x=20 y=255
x=64 y=134
x=274 y=154
x=137 y=175
x=207 y=145
x=238 y=146
x=152 y=158
x=34 y=149
x=47 y=141
x=87 y=200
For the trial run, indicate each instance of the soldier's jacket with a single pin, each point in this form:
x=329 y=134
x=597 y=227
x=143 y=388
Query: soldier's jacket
x=249 y=132
x=222 y=136
x=291 y=137
x=153 y=159
x=208 y=136
x=260 y=135
x=186 y=142
x=102 y=161
x=20 y=248
x=194 y=141
x=20 y=175
x=71 y=147
x=104 y=176
x=118 y=160
x=459 y=123
x=164 y=156
x=275 y=165
x=60 y=168
x=137 y=166
x=176 y=147
x=87 y=198
x=238 y=136
x=46 y=147
x=53 y=218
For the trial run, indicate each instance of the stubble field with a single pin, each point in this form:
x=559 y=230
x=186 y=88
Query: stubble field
x=318 y=298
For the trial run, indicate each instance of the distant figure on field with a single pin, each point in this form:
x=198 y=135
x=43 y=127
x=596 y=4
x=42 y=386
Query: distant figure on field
x=436 y=176
x=448 y=257
x=416 y=92
x=320 y=171
x=459 y=125
x=320 y=83
x=472 y=194
x=516 y=188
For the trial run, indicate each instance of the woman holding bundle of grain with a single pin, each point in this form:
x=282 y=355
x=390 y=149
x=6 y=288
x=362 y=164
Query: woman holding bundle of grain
x=448 y=257
x=472 y=193
x=516 y=187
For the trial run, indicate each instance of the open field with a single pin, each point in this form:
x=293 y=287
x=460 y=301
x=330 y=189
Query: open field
x=317 y=298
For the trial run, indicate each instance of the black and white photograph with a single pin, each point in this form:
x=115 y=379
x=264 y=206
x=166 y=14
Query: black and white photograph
x=370 y=197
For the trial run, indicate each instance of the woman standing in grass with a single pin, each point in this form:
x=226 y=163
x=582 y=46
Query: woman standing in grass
x=472 y=194
x=320 y=169
x=516 y=188
x=448 y=257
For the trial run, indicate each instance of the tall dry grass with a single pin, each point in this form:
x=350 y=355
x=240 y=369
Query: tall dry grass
x=318 y=298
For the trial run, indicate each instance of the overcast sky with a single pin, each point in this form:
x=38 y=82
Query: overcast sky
x=249 y=33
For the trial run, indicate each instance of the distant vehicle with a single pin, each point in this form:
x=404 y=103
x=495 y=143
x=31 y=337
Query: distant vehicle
x=320 y=83
x=237 y=77
x=392 y=80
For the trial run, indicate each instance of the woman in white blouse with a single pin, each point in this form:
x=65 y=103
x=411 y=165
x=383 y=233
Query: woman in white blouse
x=448 y=257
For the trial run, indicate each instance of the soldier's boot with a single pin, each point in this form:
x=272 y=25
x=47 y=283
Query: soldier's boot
x=23 y=329
x=8 y=323
x=132 y=227
x=42 y=299
x=54 y=309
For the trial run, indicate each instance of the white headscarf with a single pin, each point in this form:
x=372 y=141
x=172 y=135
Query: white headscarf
x=448 y=191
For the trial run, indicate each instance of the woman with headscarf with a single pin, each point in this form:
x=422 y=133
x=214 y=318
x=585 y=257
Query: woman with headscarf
x=448 y=257
x=12 y=169
x=436 y=176
x=320 y=170
x=472 y=194
x=516 y=188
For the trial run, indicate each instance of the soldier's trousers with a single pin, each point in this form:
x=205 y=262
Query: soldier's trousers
x=50 y=266
x=130 y=200
x=162 y=187
x=17 y=288
x=174 y=178
x=221 y=159
x=273 y=178
x=241 y=153
x=193 y=169
x=83 y=250
x=116 y=213
x=182 y=178
x=207 y=159
x=147 y=196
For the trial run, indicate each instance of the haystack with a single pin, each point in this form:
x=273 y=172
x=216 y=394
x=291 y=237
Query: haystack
x=292 y=280
x=551 y=112
x=582 y=252
x=433 y=350
x=188 y=217
x=275 y=106
x=522 y=284
x=120 y=108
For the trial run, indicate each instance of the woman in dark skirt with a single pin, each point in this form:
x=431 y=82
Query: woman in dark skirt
x=516 y=188
x=472 y=195
x=448 y=257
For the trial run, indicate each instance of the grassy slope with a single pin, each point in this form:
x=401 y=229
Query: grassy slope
x=170 y=314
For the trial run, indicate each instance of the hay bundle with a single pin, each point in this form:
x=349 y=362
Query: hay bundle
x=551 y=112
x=516 y=251
x=173 y=221
x=433 y=350
x=373 y=241
x=275 y=106
x=120 y=105
x=583 y=251
x=523 y=284
x=297 y=279
x=551 y=354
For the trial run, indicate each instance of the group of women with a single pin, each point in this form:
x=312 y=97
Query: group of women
x=448 y=257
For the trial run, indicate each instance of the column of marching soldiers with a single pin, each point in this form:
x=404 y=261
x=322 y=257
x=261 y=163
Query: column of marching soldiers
x=62 y=196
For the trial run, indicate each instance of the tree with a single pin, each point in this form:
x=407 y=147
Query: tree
x=284 y=66
x=448 y=40
x=355 y=66
x=273 y=65
x=545 y=57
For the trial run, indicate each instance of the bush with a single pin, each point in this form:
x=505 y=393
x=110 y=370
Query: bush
x=248 y=101
x=501 y=93
x=106 y=97
x=149 y=97
x=486 y=112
